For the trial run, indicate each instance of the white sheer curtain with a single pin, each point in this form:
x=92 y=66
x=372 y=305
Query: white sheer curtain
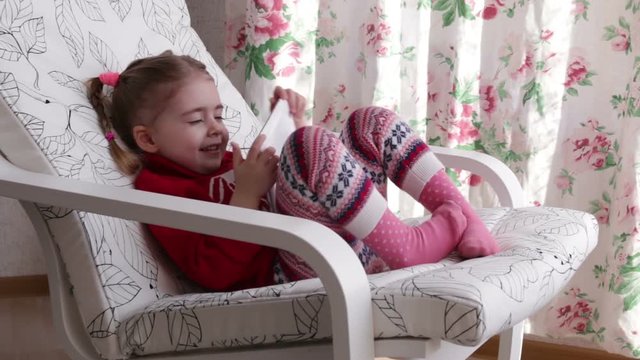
x=552 y=88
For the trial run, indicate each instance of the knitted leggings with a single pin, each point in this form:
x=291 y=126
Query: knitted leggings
x=327 y=179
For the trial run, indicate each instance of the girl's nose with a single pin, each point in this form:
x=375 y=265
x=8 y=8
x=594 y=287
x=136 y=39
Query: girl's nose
x=215 y=126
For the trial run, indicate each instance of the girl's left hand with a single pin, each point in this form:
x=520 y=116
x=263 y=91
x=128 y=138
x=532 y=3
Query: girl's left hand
x=297 y=104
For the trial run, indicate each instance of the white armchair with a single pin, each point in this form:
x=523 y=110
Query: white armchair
x=116 y=296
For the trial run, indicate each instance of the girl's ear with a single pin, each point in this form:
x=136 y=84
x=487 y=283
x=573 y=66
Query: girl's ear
x=143 y=138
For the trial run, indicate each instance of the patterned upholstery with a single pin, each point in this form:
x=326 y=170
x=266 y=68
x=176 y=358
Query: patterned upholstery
x=463 y=302
x=130 y=297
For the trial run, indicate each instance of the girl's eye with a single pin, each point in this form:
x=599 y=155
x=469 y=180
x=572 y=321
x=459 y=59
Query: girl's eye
x=219 y=117
x=193 y=122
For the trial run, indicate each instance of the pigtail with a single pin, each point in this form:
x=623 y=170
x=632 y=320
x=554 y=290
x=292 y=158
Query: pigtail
x=127 y=161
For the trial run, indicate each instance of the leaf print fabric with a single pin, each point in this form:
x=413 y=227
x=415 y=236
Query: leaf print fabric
x=555 y=96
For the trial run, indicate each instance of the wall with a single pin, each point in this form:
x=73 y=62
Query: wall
x=207 y=18
x=20 y=253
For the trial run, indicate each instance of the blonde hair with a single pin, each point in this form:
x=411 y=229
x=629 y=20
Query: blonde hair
x=143 y=85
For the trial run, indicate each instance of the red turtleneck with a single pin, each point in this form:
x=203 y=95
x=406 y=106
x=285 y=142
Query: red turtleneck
x=216 y=263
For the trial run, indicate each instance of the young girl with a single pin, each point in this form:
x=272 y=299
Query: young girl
x=167 y=112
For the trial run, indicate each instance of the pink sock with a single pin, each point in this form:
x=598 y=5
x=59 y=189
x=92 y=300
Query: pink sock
x=386 y=145
x=476 y=240
x=401 y=245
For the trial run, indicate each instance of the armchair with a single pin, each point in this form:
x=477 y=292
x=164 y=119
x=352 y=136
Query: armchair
x=116 y=296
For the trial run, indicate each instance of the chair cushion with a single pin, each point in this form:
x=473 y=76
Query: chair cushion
x=459 y=301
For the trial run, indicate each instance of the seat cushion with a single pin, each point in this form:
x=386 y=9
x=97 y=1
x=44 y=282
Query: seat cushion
x=464 y=302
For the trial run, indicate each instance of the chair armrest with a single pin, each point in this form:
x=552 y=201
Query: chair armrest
x=328 y=254
x=503 y=181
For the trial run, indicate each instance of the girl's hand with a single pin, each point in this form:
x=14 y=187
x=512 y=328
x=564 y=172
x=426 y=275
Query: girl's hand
x=297 y=104
x=254 y=175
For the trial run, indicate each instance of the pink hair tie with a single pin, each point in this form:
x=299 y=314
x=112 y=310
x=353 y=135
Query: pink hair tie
x=109 y=78
x=110 y=136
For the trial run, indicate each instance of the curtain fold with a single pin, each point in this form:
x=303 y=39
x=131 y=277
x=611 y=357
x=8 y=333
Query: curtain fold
x=551 y=88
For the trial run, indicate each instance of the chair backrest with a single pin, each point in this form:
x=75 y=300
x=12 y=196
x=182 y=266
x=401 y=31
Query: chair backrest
x=47 y=50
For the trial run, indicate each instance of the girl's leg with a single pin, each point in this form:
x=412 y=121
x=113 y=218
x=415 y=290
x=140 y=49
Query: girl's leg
x=384 y=144
x=321 y=181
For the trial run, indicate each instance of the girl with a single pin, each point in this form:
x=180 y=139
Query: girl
x=167 y=112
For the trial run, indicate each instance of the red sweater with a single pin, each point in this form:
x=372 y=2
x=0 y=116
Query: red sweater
x=216 y=263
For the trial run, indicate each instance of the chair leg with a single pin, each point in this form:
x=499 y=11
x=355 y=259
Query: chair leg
x=511 y=343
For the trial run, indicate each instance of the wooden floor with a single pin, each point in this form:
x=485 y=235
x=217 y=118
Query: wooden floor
x=26 y=330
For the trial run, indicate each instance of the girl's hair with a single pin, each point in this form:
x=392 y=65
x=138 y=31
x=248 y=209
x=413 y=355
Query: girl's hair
x=141 y=88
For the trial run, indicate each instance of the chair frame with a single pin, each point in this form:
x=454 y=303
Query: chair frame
x=335 y=263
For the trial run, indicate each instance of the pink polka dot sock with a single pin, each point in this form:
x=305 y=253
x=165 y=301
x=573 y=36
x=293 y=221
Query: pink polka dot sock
x=388 y=148
x=400 y=245
x=476 y=240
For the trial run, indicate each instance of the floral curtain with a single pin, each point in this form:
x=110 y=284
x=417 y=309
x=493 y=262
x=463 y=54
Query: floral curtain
x=552 y=88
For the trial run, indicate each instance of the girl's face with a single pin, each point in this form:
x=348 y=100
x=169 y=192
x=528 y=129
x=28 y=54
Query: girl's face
x=189 y=130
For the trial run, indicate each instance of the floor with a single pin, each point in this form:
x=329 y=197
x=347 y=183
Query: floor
x=26 y=330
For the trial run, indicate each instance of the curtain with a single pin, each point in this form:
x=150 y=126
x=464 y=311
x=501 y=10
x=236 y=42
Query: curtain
x=551 y=88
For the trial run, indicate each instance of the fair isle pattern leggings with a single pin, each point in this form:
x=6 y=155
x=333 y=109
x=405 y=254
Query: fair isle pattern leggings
x=328 y=180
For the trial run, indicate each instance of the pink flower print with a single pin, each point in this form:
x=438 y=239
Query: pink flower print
x=601 y=141
x=266 y=21
x=238 y=41
x=597 y=160
x=628 y=208
x=580 y=327
x=526 y=67
x=489 y=12
x=575 y=292
x=488 y=95
x=545 y=35
x=583 y=308
x=382 y=51
x=629 y=190
x=467 y=110
x=361 y=65
x=578 y=8
x=593 y=124
x=621 y=43
x=475 y=180
x=371 y=28
x=341 y=89
x=602 y=215
x=563 y=182
x=453 y=112
x=591 y=153
x=581 y=143
x=283 y=63
x=269 y=5
x=580 y=312
x=329 y=116
x=576 y=71
x=376 y=35
x=564 y=311
x=622 y=257
x=580 y=149
x=463 y=132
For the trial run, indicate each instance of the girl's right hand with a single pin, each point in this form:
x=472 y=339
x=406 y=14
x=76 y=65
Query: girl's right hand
x=254 y=175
